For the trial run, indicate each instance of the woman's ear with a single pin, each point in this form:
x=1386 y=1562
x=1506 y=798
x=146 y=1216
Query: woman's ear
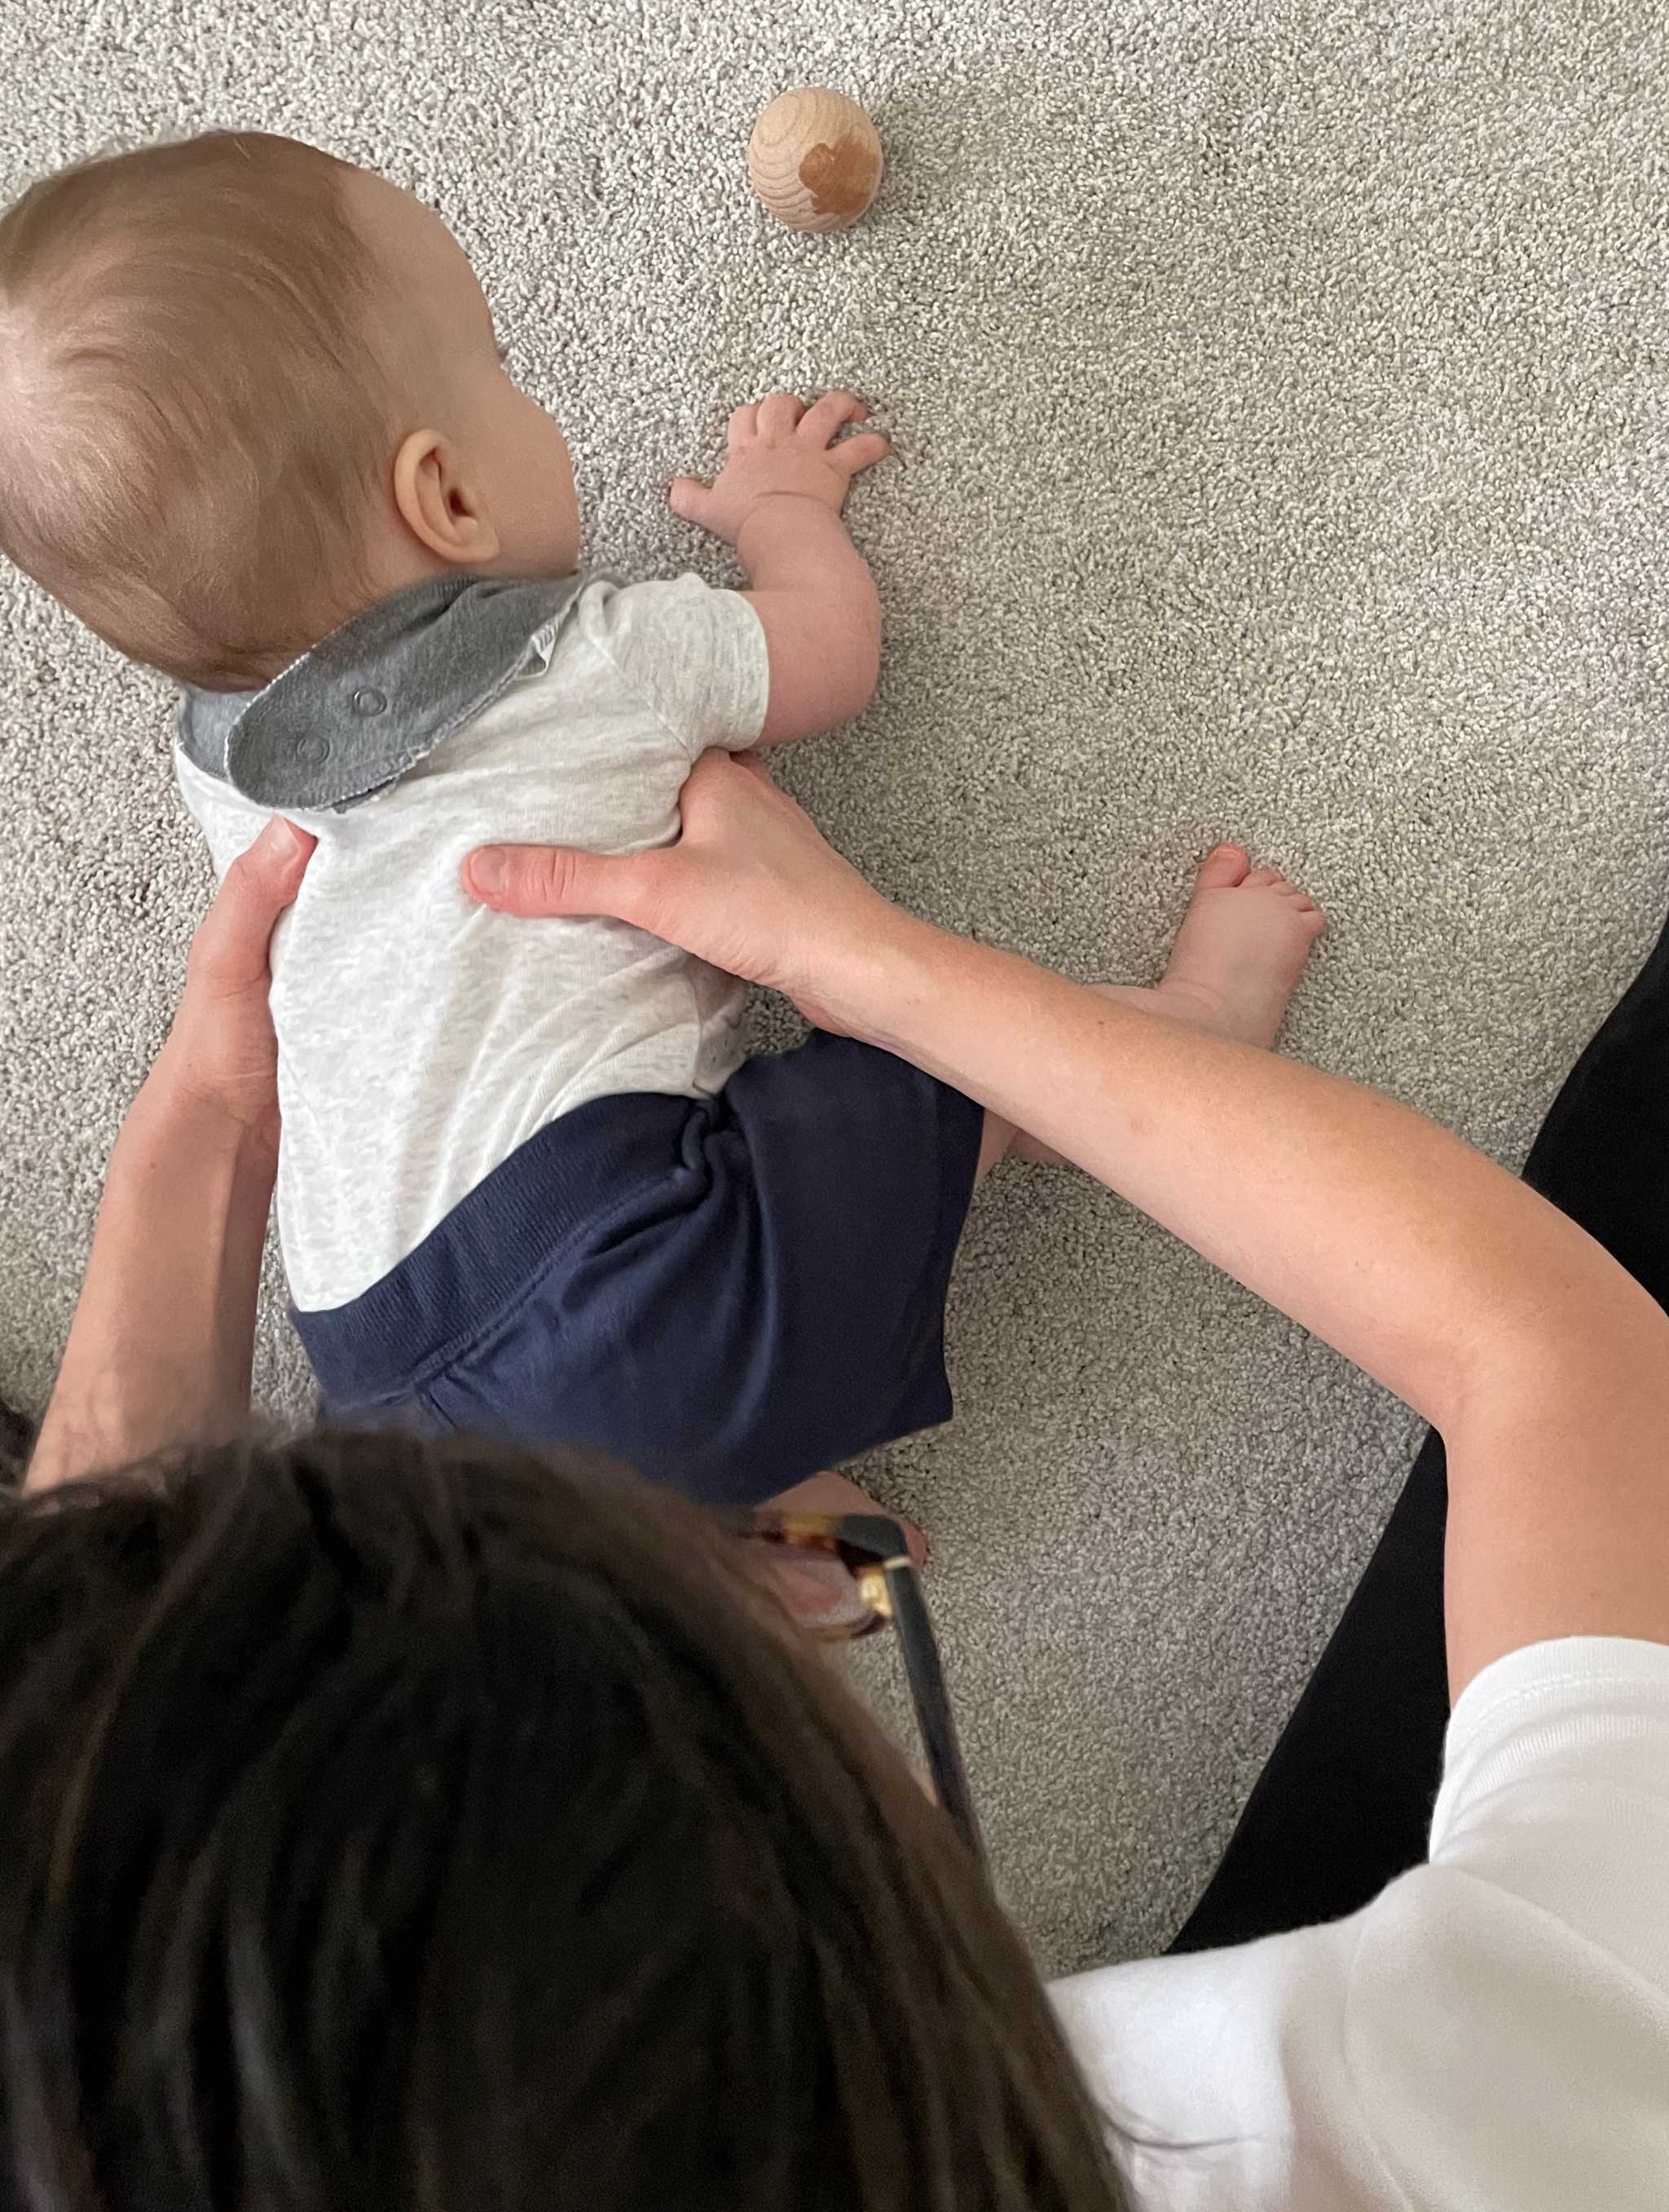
x=439 y=505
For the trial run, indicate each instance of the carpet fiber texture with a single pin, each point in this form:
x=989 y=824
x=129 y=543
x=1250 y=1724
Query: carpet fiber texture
x=1279 y=393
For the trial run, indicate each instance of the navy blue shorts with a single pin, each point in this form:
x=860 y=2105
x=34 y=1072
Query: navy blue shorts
x=727 y=1294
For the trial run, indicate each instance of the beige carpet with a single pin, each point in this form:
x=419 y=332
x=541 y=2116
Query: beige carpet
x=1280 y=400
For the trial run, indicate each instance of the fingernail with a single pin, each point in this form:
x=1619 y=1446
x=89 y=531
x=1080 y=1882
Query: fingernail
x=490 y=869
x=288 y=841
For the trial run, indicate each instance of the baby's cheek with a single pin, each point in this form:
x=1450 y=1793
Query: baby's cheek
x=541 y=485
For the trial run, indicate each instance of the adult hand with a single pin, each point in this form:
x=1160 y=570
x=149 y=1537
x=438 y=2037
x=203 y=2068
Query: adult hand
x=750 y=885
x=221 y=1050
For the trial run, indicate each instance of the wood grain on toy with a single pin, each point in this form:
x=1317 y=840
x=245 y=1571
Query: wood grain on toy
x=815 y=159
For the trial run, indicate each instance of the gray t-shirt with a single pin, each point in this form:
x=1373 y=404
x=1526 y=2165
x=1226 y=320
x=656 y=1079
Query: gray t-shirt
x=421 y=1039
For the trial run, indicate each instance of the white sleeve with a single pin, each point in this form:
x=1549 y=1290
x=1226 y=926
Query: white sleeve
x=695 y=656
x=1492 y=2031
x=1556 y=1791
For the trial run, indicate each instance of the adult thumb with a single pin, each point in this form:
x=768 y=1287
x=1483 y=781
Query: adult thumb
x=233 y=936
x=554 y=879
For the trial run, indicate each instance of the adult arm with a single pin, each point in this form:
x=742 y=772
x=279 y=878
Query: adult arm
x=162 y=1341
x=777 y=500
x=1545 y=1365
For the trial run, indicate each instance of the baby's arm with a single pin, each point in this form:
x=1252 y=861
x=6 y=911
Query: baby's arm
x=777 y=500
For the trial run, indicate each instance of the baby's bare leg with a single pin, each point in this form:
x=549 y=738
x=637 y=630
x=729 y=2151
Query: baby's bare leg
x=1240 y=950
x=1237 y=956
x=997 y=1140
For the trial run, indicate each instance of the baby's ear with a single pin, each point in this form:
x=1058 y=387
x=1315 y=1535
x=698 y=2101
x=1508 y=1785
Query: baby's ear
x=438 y=504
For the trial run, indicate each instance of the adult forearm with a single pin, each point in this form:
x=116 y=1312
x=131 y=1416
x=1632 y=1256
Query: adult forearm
x=1545 y=1367
x=161 y=1345
x=1415 y=1257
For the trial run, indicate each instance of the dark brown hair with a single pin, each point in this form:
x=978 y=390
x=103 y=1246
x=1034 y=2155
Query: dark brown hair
x=440 y=1829
x=192 y=415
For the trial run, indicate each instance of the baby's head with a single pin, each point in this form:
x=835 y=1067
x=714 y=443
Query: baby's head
x=247 y=390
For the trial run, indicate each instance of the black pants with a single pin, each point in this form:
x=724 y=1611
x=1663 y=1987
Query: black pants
x=1344 y=1803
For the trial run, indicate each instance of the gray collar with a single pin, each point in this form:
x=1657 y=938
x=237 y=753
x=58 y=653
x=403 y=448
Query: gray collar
x=373 y=699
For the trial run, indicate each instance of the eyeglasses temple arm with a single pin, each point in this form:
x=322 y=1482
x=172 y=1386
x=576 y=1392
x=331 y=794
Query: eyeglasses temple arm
x=932 y=1703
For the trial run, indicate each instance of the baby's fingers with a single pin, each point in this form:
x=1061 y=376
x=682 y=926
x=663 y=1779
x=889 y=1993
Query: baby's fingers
x=689 y=497
x=826 y=415
x=853 y=455
x=779 y=413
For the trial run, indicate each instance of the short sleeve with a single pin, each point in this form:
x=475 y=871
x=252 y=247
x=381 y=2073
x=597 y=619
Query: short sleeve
x=1492 y=2030
x=1556 y=1789
x=695 y=656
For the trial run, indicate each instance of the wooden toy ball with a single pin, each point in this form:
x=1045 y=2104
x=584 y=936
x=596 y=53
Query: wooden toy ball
x=815 y=159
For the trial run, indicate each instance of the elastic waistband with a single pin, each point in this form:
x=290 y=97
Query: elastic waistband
x=564 y=1186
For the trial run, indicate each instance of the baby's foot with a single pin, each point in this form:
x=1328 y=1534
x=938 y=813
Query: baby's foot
x=1238 y=955
x=1240 y=950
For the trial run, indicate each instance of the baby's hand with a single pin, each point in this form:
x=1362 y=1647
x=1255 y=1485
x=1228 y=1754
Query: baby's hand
x=781 y=446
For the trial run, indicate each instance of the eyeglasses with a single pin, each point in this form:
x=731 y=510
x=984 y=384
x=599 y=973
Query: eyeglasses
x=865 y=1561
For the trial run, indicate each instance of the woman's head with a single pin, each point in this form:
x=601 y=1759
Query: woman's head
x=393 y=1827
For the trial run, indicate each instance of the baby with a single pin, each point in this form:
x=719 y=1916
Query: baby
x=256 y=430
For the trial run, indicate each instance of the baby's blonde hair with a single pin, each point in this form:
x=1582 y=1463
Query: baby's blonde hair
x=193 y=418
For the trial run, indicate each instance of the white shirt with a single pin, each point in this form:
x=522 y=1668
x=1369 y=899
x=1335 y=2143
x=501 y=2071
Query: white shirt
x=421 y=1039
x=1492 y=2034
